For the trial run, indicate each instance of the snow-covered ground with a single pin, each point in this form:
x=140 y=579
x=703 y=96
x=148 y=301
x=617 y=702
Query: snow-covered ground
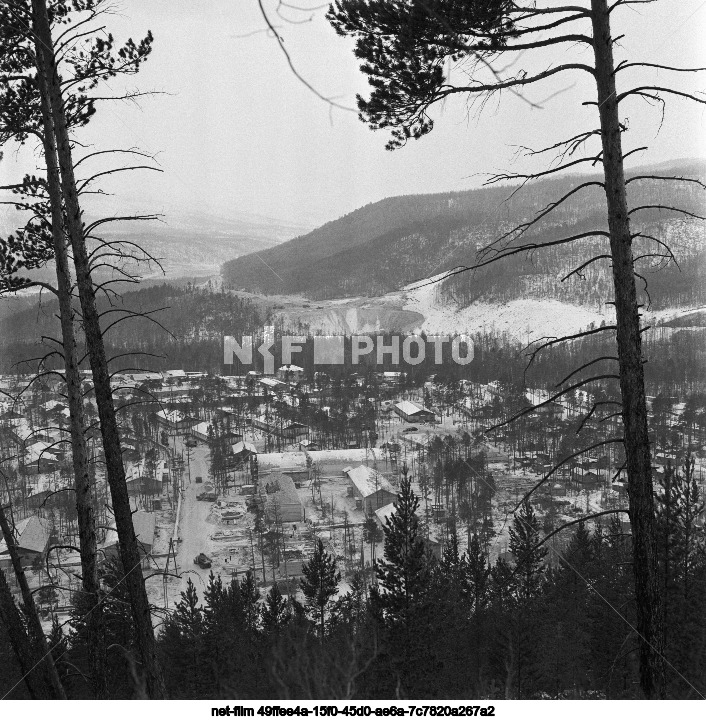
x=417 y=307
x=523 y=320
x=297 y=459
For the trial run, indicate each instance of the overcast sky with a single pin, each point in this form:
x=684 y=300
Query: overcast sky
x=237 y=133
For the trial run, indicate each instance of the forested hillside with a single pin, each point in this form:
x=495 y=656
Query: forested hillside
x=176 y=327
x=383 y=246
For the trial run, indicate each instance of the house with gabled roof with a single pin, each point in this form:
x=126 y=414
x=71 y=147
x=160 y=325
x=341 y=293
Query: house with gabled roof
x=283 y=503
x=369 y=487
x=175 y=420
x=32 y=536
x=413 y=413
x=144 y=523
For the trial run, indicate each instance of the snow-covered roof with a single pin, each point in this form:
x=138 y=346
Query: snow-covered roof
x=174 y=374
x=286 y=493
x=242 y=446
x=39 y=451
x=146 y=376
x=343 y=456
x=172 y=416
x=144 y=524
x=271 y=382
x=384 y=513
x=201 y=427
x=10 y=414
x=367 y=480
x=22 y=428
x=409 y=408
x=32 y=535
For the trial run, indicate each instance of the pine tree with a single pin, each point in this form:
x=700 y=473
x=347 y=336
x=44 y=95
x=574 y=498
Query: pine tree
x=182 y=645
x=275 y=613
x=403 y=574
x=319 y=585
x=681 y=551
x=188 y=615
x=564 y=657
x=231 y=629
x=477 y=574
x=524 y=538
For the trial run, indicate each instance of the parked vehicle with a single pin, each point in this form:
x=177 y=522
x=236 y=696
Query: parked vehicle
x=202 y=561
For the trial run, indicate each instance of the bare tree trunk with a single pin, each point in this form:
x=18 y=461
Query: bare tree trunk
x=632 y=384
x=11 y=620
x=35 y=627
x=129 y=552
x=79 y=449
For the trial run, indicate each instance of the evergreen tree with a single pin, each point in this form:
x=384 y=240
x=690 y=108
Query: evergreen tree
x=319 y=585
x=404 y=572
x=524 y=538
x=681 y=551
x=564 y=662
x=477 y=574
x=275 y=613
x=182 y=646
x=231 y=631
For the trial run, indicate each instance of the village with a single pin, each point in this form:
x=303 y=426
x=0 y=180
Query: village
x=244 y=474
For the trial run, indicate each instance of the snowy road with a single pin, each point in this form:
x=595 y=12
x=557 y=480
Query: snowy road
x=194 y=530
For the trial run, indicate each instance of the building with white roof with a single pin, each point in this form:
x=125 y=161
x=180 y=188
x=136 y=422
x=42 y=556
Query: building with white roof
x=370 y=487
x=413 y=413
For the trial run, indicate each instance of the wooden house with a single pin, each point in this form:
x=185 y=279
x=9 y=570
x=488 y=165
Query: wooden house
x=283 y=504
x=32 y=536
x=413 y=413
x=175 y=420
x=144 y=523
x=370 y=488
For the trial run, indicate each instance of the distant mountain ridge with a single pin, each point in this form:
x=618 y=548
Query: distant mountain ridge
x=385 y=245
x=187 y=243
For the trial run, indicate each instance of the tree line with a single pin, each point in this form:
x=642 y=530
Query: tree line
x=454 y=627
